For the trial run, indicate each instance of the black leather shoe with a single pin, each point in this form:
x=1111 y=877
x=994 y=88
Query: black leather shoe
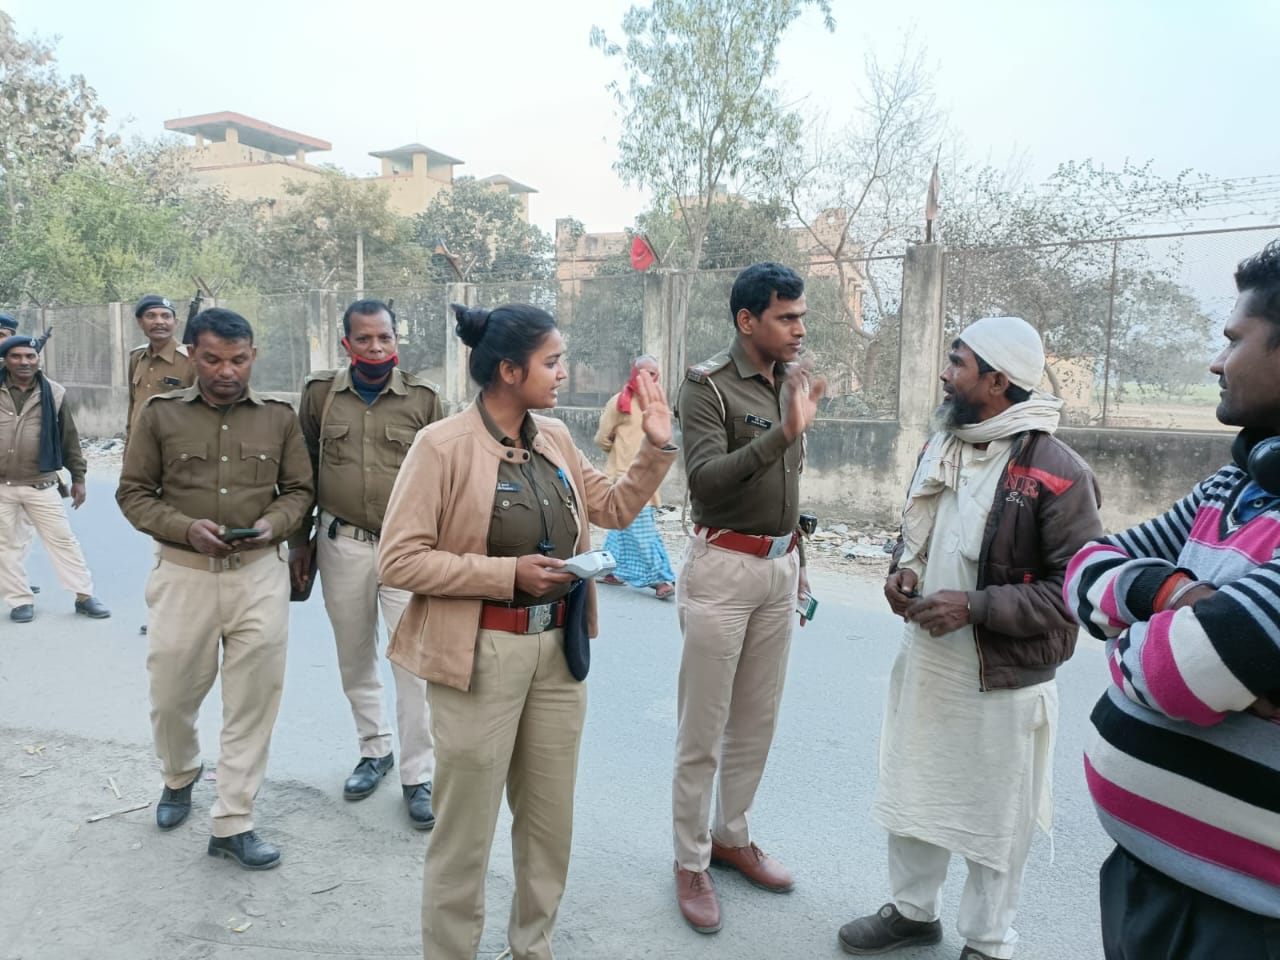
x=885 y=930
x=246 y=849
x=418 y=797
x=175 y=805
x=366 y=776
x=23 y=613
x=93 y=607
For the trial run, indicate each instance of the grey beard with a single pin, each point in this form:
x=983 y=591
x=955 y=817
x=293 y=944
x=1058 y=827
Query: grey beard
x=951 y=414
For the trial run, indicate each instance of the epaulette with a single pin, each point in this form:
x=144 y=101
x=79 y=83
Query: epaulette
x=182 y=349
x=319 y=375
x=417 y=380
x=138 y=349
x=267 y=398
x=699 y=372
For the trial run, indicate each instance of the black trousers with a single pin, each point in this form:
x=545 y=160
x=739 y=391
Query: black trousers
x=1147 y=915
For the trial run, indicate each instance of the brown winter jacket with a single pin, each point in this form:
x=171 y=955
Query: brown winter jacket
x=1046 y=509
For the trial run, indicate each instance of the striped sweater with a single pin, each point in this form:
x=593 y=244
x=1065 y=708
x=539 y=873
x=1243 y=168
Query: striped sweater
x=1183 y=777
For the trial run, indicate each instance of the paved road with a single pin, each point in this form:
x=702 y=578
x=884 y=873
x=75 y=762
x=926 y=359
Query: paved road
x=65 y=677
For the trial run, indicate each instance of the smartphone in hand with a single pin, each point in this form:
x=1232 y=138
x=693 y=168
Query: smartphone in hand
x=233 y=534
x=806 y=606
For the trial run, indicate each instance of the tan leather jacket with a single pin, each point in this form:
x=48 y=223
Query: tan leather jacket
x=435 y=533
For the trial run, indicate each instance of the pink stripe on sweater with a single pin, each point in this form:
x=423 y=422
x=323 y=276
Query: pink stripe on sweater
x=1108 y=606
x=1187 y=834
x=1164 y=681
x=1108 y=602
x=1256 y=540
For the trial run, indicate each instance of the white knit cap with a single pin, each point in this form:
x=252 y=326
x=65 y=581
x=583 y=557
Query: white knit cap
x=1010 y=345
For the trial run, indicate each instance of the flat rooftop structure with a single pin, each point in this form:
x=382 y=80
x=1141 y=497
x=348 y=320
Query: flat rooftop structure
x=250 y=132
x=406 y=153
x=502 y=180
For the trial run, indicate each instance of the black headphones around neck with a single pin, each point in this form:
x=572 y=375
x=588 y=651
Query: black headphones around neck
x=1259 y=457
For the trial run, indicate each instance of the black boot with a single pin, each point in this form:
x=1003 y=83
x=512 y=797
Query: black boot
x=366 y=776
x=175 y=805
x=246 y=849
x=418 y=797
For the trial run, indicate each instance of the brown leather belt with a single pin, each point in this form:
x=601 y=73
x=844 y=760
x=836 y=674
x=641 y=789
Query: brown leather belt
x=755 y=544
x=199 y=561
x=534 y=619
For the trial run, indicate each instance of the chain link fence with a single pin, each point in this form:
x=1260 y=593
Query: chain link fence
x=1130 y=324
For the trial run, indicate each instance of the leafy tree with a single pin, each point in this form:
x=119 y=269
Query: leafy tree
x=700 y=114
x=1045 y=253
x=111 y=226
x=45 y=121
x=486 y=231
x=312 y=243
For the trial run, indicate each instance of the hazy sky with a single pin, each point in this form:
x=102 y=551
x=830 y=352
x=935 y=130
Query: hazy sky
x=513 y=87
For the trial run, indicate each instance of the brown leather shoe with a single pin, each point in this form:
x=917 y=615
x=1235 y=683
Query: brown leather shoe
x=696 y=895
x=754 y=864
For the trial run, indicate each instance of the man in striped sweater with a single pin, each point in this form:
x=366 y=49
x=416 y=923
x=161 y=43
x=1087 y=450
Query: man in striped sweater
x=1184 y=767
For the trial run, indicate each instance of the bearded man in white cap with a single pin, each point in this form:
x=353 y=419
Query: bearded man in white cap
x=996 y=509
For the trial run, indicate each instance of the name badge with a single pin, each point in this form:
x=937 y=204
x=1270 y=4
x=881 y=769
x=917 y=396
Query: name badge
x=755 y=421
x=505 y=486
x=171 y=382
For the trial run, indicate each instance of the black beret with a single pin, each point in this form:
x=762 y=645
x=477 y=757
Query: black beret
x=152 y=300
x=8 y=343
x=8 y=322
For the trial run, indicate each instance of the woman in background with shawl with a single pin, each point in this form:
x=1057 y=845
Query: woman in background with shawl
x=642 y=559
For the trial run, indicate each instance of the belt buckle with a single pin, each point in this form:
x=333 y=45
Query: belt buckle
x=222 y=564
x=539 y=617
x=778 y=547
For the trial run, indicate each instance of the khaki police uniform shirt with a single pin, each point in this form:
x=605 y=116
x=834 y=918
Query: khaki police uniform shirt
x=743 y=475
x=532 y=501
x=363 y=444
x=189 y=460
x=153 y=372
x=72 y=456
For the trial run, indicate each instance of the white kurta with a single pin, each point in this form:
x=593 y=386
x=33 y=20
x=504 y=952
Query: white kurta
x=957 y=766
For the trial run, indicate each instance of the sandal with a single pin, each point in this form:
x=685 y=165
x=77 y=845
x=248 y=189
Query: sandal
x=664 y=591
x=611 y=580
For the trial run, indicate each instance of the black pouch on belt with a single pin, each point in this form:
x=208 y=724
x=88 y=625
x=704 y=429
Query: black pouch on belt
x=577 y=644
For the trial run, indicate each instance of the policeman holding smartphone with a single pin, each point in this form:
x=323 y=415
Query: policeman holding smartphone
x=218 y=476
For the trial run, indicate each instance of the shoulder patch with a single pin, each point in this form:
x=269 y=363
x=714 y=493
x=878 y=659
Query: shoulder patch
x=699 y=372
x=317 y=375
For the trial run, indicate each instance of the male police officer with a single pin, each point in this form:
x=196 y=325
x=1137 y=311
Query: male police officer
x=359 y=423
x=161 y=364
x=38 y=438
x=743 y=415
x=218 y=476
x=23 y=533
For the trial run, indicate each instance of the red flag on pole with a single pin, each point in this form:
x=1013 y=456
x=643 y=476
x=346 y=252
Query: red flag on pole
x=642 y=255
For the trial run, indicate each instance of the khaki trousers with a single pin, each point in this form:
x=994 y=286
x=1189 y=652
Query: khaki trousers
x=21 y=509
x=736 y=612
x=192 y=616
x=519 y=726
x=352 y=594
